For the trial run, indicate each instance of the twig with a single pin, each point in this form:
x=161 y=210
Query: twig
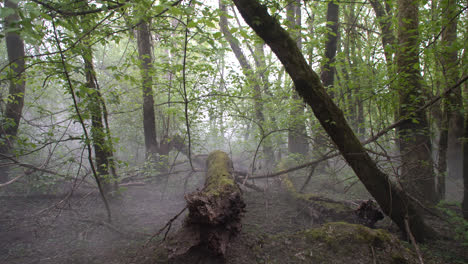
x=326 y=157
x=374 y=259
x=168 y=225
x=12 y=180
x=311 y=173
x=413 y=241
x=350 y=186
x=127 y=184
x=431 y=212
x=186 y=102
x=248 y=185
x=29 y=166
x=258 y=147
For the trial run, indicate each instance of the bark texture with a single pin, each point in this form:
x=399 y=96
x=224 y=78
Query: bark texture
x=103 y=152
x=465 y=170
x=385 y=24
x=297 y=136
x=393 y=201
x=384 y=17
x=451 y=130
x=454 y=104
x=14 y=107
x=416 y=172
x=149 y=121
x=328 y=69
x=214 y=212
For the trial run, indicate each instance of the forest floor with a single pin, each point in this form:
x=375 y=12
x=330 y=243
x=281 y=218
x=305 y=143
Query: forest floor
x=47 y=229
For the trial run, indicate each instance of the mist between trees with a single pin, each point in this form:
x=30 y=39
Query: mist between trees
x=367 y=98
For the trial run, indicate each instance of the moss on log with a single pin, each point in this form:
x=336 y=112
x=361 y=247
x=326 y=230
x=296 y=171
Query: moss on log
x=214 y=212
x=336 y=243
x=318 y=208
x=219 y=177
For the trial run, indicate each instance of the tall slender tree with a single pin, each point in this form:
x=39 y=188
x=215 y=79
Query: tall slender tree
x=103 y=151
x=465 y=170
x=100 y=131
x=10 y=119
x=465 y=142
x=146 y=60
x=414 y=140
x=297 y=136
x=451 y=72
x=451 y=130
x=351 y=64
x=384 y=18
x=327 y=74
x=254 y=79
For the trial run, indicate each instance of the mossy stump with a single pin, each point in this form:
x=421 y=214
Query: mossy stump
x=214 y=212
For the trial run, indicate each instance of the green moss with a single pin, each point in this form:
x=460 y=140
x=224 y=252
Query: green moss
x=337 y=207
x=336 y=243
x=329 y=205
x=398 y=258
x=219 y=177
x=340 y=233
x=308 y=197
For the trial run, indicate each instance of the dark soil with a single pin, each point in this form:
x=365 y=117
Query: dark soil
x=52 y=230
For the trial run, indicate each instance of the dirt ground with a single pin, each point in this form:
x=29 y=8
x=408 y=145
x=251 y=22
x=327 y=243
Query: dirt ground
x=47 y=229
x=51 y=230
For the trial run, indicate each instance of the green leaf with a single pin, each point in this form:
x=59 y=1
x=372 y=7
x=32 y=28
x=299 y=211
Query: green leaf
x=192 y=24
x=6 y=11
x=217 y=35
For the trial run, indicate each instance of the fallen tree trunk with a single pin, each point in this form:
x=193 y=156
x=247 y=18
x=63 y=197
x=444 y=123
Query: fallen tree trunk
x=214 y=212
x=317 y=208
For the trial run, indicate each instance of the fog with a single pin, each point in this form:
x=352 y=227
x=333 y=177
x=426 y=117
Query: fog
x=67 y=222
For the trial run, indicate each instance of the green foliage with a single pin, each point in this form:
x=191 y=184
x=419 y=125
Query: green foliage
x=458 y=223
x=220 y=99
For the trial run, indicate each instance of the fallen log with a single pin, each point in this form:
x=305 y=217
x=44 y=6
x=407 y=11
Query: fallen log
x=320 y=209
x=214 y=212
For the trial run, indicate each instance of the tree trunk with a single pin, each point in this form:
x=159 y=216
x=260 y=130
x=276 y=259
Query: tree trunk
x=355 y=103
x=328 y=69
x=261 y=66
x=297 y=136
x=317 y=208
x=254 y=80
x=465 y=170
x=442 y=158
x=454 y=105
x=417 y=174
x=102 y=150
x=214 y=212
x=385 y=24
x=14 y=107
x=145 y=57
x=451 y=130
x=393 y=201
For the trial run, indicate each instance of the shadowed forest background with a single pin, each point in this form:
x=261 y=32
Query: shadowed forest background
x=337 y=117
